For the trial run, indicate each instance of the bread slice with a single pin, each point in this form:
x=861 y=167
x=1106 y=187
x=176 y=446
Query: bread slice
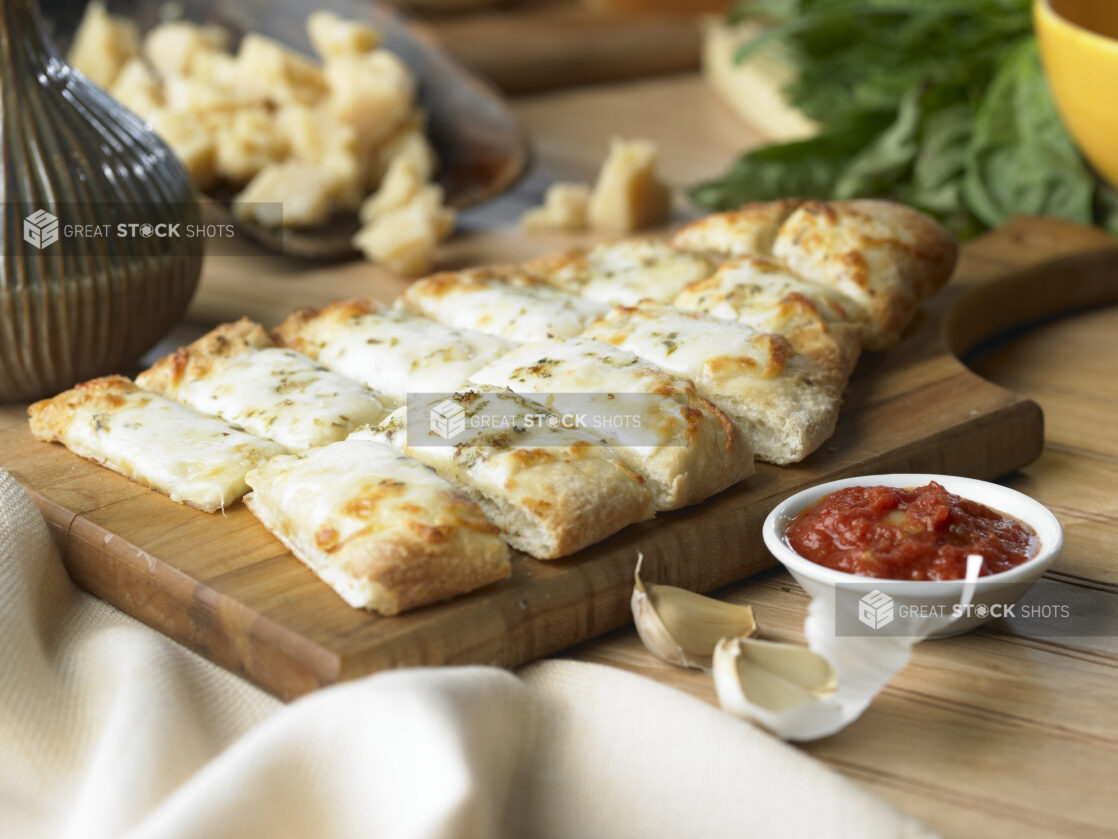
x=500 y=300
x=391 y=352
x=193 y=458
x=384 y=531
x=818 y=321
x=552 y=490
x=749 y=231
x=684 y=447
x=884 y=256
x=624 y=272
x=237 y=373
x=784 y=403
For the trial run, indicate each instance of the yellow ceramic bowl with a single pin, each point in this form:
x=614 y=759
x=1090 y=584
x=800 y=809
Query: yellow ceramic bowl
x=1079 y=45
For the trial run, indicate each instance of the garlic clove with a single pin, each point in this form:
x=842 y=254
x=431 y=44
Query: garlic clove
x=683 y=627
x=751 y=675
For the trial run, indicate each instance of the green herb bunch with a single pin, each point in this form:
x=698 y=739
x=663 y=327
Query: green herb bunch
x=941 y=104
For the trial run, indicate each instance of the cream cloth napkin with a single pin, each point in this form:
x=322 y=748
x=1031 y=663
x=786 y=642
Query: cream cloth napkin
x=109 y=729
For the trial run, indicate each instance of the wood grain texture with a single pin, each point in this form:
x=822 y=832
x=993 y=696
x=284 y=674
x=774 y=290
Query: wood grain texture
x=222 y=585
x=549 y=44
x=991 y=733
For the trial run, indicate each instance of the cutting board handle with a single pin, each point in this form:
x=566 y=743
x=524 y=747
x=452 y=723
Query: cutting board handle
x=1031 y=268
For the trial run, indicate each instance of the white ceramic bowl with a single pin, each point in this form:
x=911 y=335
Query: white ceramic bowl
x=1002 y=588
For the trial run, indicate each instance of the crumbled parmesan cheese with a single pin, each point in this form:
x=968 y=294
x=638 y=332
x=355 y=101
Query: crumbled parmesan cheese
x=191 y=142
x=400 y=185
x=404 y=239
x=314 y=137
x=564 y=208
x=293 y=193
x=202 y=97
x=248 y=142
x=137 y=89
x=331 y=36
x=372 y=92
x=173 y=48
x=268 y=69
x=628 y=195
x=349 y=127
x=103 y=44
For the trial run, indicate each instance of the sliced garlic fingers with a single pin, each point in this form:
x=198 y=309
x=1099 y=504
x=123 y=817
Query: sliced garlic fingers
x=195 y=459
x=683 y=446
x=552 y=489
x=784 y=403
x=391 y=352
x=383 y=530
x=237 y=373
x=502 y=301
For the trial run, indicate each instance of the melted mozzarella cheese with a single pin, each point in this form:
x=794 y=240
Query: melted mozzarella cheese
x=395 y=353
x=518 y=312
x=195 y=459
x=760 y=292
x=604 y=375
x=629 y=271
x=284 y=396
x=370 y=521
x=498 y=426
x=683 y=447
x=342 y=489
x=687 y=343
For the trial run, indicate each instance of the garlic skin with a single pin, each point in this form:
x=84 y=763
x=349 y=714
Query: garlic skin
x=804 y=693
x=758 y=679
x=682 y=627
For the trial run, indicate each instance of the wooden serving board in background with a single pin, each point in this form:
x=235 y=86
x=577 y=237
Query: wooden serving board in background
x=548 y=44
x=221 y=585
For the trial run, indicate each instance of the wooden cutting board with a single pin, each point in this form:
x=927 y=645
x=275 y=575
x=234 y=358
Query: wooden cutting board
x=221 y=585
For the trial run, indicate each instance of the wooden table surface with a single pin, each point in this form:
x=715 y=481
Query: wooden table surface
x=983 y=735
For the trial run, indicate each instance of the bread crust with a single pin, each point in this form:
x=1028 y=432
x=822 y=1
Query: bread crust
x=885 y=256
x=300 y=329
x=372 y=544
x=784 y=403
x=818 y=321
x=749 y=230
x=195 y=360
x=549 y=501
x=51 y=419
x=701 y=453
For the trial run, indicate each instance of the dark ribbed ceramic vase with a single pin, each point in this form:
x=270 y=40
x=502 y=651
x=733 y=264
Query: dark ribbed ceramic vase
x=75 y=307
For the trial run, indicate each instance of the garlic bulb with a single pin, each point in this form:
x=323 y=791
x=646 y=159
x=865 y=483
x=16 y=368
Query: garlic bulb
x=683 y=627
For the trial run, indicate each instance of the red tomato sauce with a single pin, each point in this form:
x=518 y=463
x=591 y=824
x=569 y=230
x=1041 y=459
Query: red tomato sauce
x=923 y=533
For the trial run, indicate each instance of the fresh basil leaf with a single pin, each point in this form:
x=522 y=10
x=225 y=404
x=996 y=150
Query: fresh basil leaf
x=885 y=162
x=984 y=140
x=806 y=168
x=937 y=174
x=1020 y=158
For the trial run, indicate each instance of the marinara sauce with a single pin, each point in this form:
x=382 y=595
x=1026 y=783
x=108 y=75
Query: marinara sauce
x=923 y=533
